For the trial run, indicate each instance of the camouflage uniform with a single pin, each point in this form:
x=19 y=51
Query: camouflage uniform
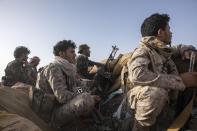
x=15 y=72
x=58 y=79
x=153 y=80
x=82 y=66
x=32 y=73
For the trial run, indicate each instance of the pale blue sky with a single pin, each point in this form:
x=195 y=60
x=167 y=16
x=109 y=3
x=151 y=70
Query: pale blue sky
x=40 y=24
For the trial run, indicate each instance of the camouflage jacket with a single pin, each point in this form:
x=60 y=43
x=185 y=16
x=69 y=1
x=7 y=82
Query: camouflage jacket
x=59 y=78
x=82 y=65
x=32 y=73
x=15 y=72
x=151 y=65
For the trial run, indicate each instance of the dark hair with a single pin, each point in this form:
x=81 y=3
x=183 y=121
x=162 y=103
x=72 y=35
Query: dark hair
x=34 y=59
x=83 y=47
x=20 y=50
x=153 y=23
x=62 y=46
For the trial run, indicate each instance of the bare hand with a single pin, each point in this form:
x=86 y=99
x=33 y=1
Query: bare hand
x=96 y=98
x=186 y=51
x=189 y=79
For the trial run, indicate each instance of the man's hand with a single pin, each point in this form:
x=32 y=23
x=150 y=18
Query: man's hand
x=89 y=83
x=189 y=79
x=186 y=51
x=96 y=98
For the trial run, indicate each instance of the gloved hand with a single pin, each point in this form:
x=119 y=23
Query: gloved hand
x=189 y=79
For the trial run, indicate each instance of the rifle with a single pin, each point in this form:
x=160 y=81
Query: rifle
x=105 y=70
x=192 y=61
x=111 y=57
x=185 y=101
x=103 y=78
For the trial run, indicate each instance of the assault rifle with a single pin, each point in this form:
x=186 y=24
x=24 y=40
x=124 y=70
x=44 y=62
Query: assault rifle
x=111 y=57
x=105 y=70
x=186 y=97
x=103 y=78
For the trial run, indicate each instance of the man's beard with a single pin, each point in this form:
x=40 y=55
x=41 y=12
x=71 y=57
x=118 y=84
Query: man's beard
x=169 y=43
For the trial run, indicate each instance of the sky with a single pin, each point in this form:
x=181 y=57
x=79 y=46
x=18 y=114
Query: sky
x=40 y=24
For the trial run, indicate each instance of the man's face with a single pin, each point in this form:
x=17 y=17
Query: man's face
x=36 y=63
x=69 y=55
x=166 y=35
x=87 y=52
x=24 y=58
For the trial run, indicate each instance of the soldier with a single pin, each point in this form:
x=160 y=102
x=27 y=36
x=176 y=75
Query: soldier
x=32 y=68
x=58 y=79
x=153 y=78
x=16 y=70
x=83 y=62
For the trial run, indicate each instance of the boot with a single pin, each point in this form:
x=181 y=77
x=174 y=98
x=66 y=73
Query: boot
x=138 y=127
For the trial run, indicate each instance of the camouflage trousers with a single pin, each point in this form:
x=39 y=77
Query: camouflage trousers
x=80 y=106
x=147 y=103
